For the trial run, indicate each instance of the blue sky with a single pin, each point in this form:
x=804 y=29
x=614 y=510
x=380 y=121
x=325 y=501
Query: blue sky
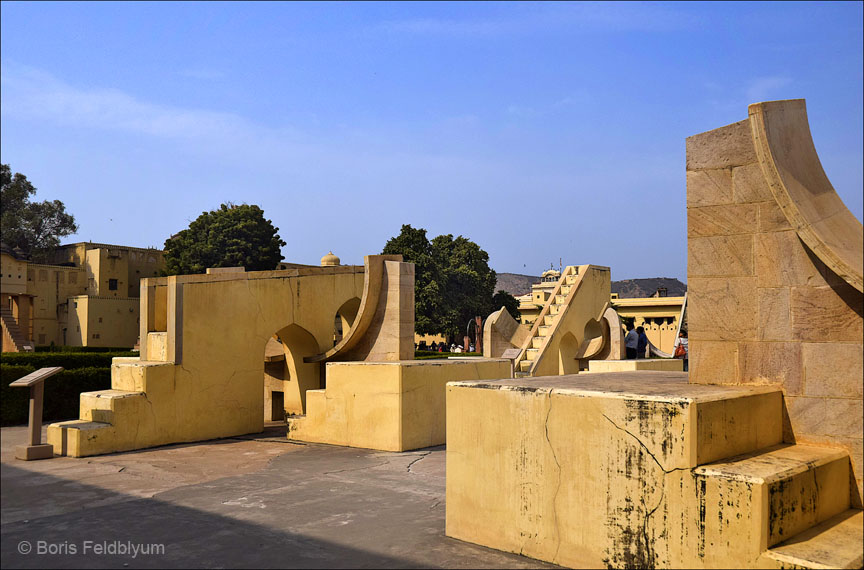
x=539 y=130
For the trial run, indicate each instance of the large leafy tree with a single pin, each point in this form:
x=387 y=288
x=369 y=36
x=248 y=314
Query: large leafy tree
x=453 y=282
x=231 y=236
x=34 y=227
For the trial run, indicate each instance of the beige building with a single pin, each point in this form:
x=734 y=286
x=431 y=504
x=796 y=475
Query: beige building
x=86 y=295
x=659 y=314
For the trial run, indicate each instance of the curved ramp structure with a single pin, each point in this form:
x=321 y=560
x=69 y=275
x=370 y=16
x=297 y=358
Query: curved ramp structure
x=774 y=273
x=787 y=156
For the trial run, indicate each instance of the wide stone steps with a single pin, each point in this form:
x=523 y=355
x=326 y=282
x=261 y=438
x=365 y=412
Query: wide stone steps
x=783 y=490
x=531 y=353
x=537 y=341
x=834 y=543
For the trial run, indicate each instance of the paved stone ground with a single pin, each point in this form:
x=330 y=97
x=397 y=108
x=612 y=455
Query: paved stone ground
x=252 y=502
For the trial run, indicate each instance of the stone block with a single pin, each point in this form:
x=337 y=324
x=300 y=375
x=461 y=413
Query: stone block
x=713 y=362
x=774 y=320
x=725 y=147
x=723 y=308
x=721 y=220
x=771 y=218
x=729 y=256
x=709 y=188
x=819 y=314
x=749 y=185
x=771 y=363
x=782 y=261
x=832 y=370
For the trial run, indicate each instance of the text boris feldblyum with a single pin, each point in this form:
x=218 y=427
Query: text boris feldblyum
x=99 y=548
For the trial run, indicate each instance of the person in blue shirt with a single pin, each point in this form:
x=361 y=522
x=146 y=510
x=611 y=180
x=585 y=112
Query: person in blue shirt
x=642 y=343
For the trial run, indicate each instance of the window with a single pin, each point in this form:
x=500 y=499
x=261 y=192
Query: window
x=100 y=319
x=112 y=284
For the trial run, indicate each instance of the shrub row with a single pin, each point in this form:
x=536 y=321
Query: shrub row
x=68 y=360
x=62 y=392
x=427 y=354
x=83 y=348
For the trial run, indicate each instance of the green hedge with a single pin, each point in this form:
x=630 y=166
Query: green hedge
x=68 y=360
x=62 y=392
x=426 y=354
x=83 y=348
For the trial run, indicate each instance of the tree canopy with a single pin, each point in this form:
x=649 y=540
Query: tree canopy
x=453 y=282
x=231 y=236
x=34 y=227
x=508 y=301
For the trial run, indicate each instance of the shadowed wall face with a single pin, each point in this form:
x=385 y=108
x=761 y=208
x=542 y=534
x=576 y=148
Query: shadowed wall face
x=764 y=309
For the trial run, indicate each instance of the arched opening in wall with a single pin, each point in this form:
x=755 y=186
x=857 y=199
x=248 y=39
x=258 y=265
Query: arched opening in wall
x=592 y=343
x=568 y=353
x=286 y=377
x=344 y=318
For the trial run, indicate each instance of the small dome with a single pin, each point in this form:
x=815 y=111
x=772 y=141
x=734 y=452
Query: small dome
x=551 y=273
x=329 y=260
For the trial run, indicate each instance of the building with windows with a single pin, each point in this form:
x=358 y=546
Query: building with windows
x=87 y=294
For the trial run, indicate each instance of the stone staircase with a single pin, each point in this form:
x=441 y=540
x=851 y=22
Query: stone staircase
x=790 y=504
x=12 y=333
x=547 y=321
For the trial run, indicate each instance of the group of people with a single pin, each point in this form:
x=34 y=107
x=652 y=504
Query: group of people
x=636 y=344
x=442 y=347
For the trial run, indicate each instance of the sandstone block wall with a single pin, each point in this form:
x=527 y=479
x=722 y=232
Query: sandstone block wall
x=764 y=309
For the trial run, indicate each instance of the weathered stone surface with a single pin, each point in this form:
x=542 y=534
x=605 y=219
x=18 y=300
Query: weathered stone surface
x=832 y=369
x=819 y=314
x=713 y=362
x=834 y=417
x=709 y=188
x=774 y=319
x=721 y=220
x=723 y=309
x=730 y=256
x=782 y=261
x=721 y=148
x=749 y=185
x=771 y=363
x=771 y=218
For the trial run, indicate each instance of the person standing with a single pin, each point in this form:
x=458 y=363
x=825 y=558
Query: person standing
x=631 y=341
x=642 y=343
x=682 y=349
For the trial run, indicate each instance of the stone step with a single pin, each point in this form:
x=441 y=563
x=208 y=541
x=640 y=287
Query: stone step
x=549 y=319
x=834 y=543
x=532 y=353
x=543 y=330
x=69 y=438
x=560 y=299
x=102 y=405
x=570 y=279
x=554 y=309
x=565 y=289
x=788 y=489
x=537 y=341
x=525 y=366
x=157 y=346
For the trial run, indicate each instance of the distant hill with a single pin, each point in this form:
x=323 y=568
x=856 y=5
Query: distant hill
x=629 y=288
x=517 y=284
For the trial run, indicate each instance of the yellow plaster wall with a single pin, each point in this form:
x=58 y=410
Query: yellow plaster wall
x=608 y=475
x=391 y=406
x=13 y=275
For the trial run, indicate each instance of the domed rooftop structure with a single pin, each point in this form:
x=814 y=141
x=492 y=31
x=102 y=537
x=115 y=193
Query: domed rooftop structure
x=329 y=260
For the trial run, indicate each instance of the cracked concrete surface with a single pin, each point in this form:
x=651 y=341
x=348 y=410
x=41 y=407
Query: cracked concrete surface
x=256 y=501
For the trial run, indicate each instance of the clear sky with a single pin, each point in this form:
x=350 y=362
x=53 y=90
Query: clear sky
x=538 y=130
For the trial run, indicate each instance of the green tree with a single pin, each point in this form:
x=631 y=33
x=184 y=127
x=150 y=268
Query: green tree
x=413 y=245
x=452 y=280
x=231 y=236
x=34 y=227
x=508 y=301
